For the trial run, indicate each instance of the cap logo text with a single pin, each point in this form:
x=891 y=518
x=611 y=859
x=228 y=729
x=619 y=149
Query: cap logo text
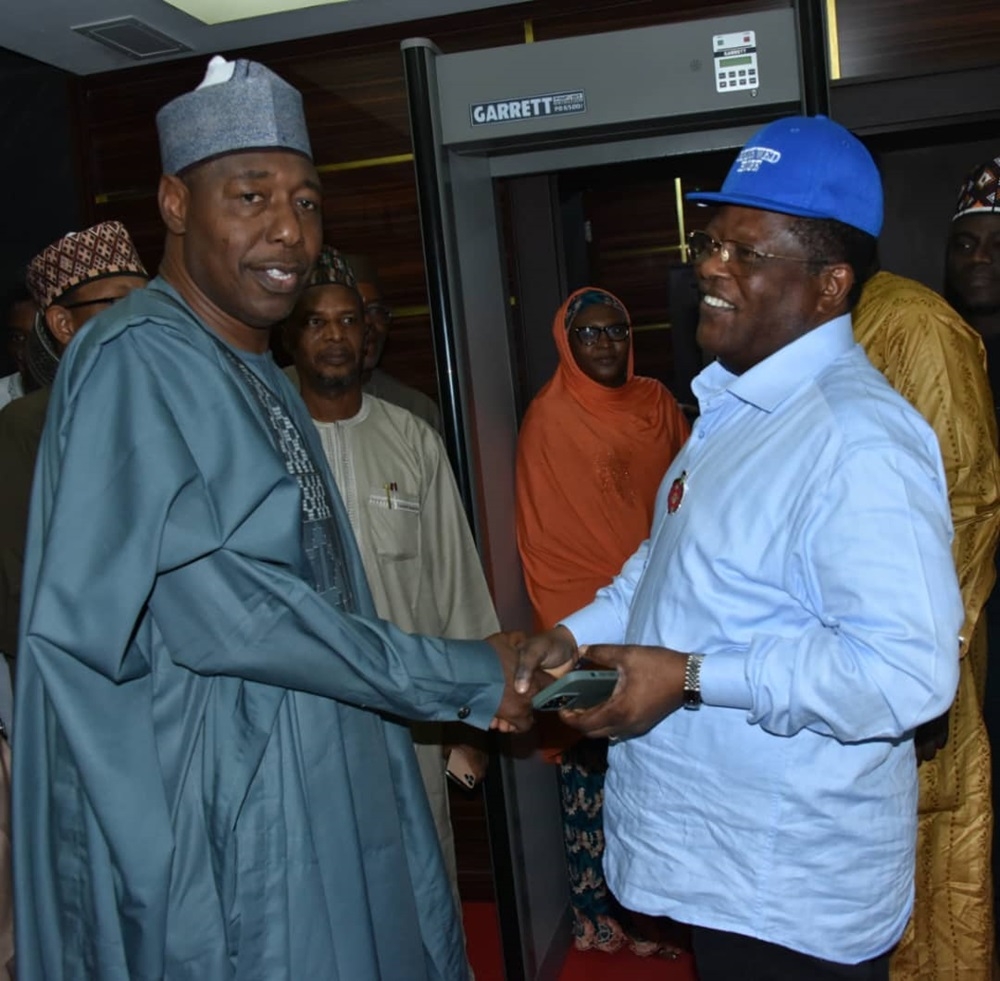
x=752 y=157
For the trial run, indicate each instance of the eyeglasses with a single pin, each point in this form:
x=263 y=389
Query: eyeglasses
x=381 y=312
x=588 y=334
x=100 y=300
x=741 y=258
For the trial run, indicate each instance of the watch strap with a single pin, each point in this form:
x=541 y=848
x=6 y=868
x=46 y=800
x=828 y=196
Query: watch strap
x=692 y=681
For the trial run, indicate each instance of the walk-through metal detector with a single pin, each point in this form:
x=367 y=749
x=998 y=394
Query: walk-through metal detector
x=523 y=111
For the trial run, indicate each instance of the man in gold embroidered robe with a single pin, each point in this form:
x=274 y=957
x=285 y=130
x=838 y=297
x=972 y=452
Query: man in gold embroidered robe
x=937 y=362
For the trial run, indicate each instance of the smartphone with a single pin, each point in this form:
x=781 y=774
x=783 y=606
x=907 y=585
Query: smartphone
x=576 y=690
x=458 y=769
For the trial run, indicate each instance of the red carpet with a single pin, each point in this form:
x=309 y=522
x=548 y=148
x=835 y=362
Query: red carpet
x=482 y=934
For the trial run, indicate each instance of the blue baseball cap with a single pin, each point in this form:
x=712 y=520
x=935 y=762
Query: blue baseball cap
x=808 y=166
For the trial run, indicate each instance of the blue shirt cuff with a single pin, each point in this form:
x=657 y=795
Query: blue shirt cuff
x=724 y=680
x=590 y=625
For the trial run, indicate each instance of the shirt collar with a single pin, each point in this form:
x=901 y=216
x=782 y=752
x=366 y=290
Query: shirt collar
x=351 y=421
x=767 y=384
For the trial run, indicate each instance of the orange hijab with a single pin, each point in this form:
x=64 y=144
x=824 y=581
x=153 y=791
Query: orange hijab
x=589 y=462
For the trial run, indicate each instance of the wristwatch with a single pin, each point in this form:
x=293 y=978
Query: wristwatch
x=692 y=681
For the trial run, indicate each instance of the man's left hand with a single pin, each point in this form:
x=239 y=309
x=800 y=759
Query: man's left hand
x=930 y=738
x=650 y=687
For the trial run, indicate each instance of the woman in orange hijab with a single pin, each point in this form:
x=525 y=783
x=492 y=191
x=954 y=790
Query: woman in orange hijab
x=593 y=448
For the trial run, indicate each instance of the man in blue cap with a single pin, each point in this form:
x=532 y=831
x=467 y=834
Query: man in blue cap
x=794 y=615
x=212 y=780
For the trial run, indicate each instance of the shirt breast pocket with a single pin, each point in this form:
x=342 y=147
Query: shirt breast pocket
x=394 y=519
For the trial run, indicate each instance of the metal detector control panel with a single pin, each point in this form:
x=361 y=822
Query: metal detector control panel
x=533 y=94
x=736 y=61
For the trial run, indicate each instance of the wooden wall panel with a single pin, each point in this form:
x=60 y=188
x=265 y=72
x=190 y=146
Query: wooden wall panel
x=472 y=844
x=353 y=89
x=36 y=165
x=916 y=37
x=570 y=19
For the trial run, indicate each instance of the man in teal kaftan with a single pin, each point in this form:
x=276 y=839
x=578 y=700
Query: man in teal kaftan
x=209 y=781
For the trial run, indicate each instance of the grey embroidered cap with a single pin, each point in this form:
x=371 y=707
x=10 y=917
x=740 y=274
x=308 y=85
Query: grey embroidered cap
x=240 y=105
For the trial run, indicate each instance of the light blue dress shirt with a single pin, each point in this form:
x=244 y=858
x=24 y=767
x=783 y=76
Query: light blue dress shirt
x=810 y=561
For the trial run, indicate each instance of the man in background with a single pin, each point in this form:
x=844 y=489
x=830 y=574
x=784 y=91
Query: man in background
x=20 y=314
x=405 y=511
x=376 y=382
x=937 y=363
x=972 y=286
x=70 y=281
x=972 y=260
x=379 y=314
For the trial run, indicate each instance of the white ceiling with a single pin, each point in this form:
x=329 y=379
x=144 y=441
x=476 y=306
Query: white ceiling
x=42 y=29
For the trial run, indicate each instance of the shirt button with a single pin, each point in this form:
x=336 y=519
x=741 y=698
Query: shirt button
x=463 y=712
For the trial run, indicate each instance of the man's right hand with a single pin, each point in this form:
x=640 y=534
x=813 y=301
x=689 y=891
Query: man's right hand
x=554 y=651
x=514 y=713
x=931 y=737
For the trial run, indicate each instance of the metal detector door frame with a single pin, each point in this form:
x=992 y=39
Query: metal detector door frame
x=457 y=161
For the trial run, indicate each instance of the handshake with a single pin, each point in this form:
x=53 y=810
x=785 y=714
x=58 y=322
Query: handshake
x=650 y=682
x=529 y=665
